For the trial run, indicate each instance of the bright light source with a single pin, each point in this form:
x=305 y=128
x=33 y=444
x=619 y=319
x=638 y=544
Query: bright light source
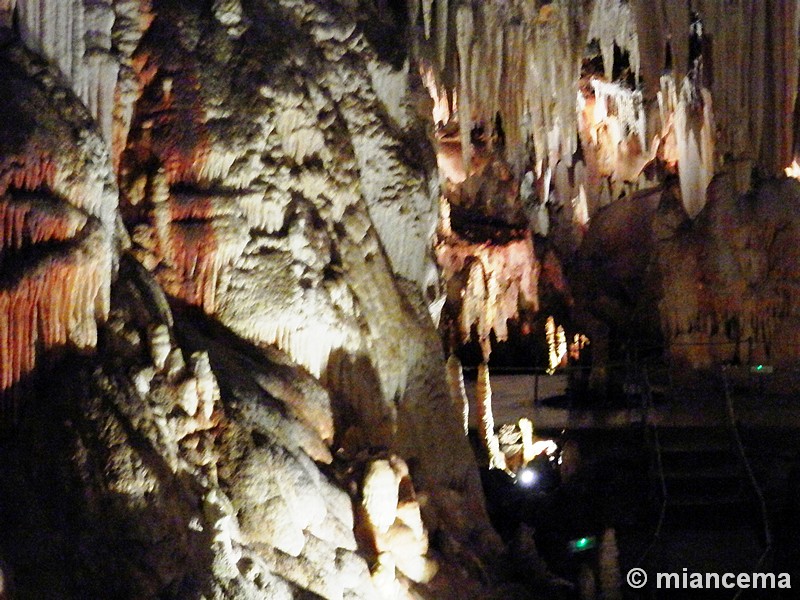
x=581 y=544
x=527 y=477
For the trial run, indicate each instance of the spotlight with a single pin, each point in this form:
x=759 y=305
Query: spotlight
x=527 y=477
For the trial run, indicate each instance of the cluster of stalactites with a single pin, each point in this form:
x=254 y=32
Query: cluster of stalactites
x=751 y=69
x=522 y=61
x=76 y=37
x=57 y=304
x=61 y=295
x=494 y=283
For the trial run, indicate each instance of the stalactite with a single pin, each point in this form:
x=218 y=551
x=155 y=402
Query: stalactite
x=31 y=221
x=427 y=17
x=80 y=184
x=64 y=290
x=464 y=34
x=75 y=35
x=6 y=20
x=57 y=302
x=694 y=119
x=498 y=280
x=556 y=344
x=612 y=23
x=442 y=30
x=30 y=173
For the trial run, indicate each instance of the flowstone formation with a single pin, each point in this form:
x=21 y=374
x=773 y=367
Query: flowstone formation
x=198 y=384
x=249 y=184
x=58 y=223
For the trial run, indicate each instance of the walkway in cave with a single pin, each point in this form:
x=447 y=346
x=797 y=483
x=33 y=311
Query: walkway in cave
x=513 y=397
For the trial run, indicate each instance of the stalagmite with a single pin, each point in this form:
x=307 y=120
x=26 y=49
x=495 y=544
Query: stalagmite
x=526 y=430
x=485 y=418
x=455 y=384
x=160 y=345
x=380 y=495
x=556 y=343
x=561 y=343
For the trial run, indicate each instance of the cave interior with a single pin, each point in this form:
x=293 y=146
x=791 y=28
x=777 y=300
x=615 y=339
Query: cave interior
x=398 y=299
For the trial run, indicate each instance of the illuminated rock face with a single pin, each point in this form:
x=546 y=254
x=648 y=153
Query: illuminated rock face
x=57 y=211
x=177 y=484
x=731 y=297
x=267 y=199
x=273 y=191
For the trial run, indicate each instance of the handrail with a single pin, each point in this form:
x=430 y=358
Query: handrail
x=750 y=473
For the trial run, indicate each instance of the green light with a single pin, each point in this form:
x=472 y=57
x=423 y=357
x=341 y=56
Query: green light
x=760 y=368
x=581 y=544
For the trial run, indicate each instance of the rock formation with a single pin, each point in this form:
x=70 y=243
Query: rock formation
x=193 y=447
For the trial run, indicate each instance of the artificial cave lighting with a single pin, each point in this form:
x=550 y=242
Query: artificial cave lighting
x=527 y=477
x=793 y=170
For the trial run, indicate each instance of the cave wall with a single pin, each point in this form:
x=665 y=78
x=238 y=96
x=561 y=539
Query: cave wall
x=215 y=223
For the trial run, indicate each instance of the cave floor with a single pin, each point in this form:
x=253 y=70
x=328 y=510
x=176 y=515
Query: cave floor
x=514 y=397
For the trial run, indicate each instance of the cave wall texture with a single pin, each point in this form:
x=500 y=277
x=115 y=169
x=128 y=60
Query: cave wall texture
x=243 y=163
x=225 y=249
